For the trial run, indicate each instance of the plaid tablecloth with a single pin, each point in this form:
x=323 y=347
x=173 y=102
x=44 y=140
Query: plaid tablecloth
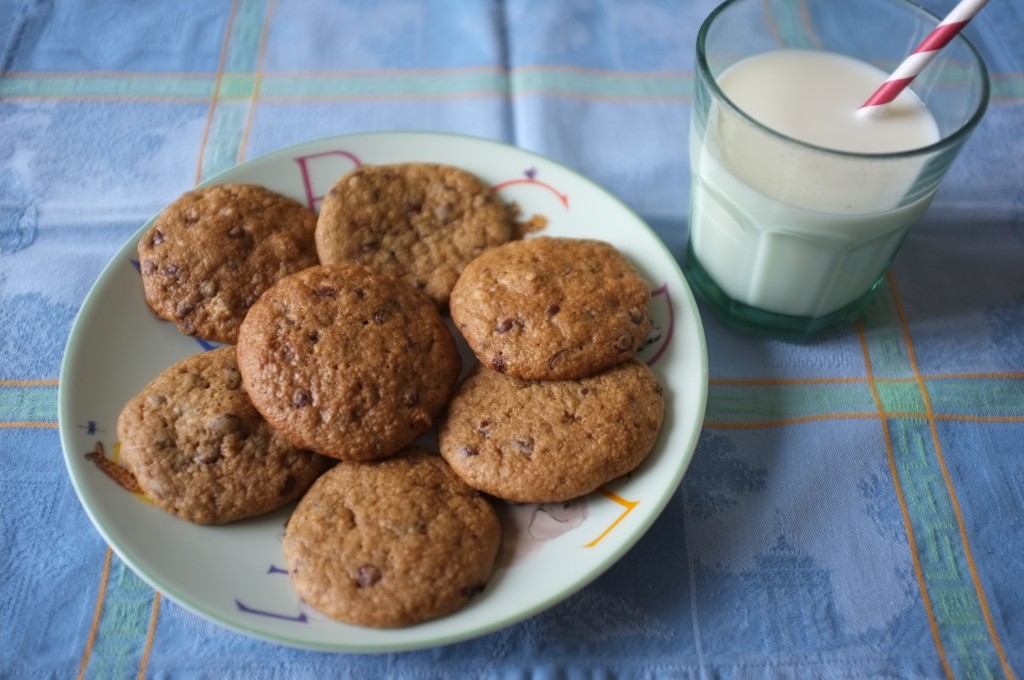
x=855 y=507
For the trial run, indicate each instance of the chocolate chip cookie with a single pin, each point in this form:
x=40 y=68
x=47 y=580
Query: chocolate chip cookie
x=420 y=222
x=551 y=308
x=211 y=253
x=541 y=441
x=346 y=361
x=391 y=543
x=200 y=450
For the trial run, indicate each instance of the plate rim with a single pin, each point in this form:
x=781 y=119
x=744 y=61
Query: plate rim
x=74 y=341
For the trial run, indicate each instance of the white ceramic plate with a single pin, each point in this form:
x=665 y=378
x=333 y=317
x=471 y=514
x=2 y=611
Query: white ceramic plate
x=233 y=575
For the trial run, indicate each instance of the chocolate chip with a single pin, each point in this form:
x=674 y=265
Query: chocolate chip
x=225 y=424
x=207 y=455
x=471 y=590
x=468 y=451
x=484 y=428
x=288 y=352
x=554 y=358
x=553 y=309
x=413 y=206
x=367 y=246
x=505 y=326
x=359 y=293
x=314 y=336
x=523 y=445
x=367 y=575
x=183 y=309
x=411 y=399
x=287 y=486
x=158 y=237
x=498 y=364
x=380 y=316
x=148 y=267
x=300 y=398
x=325 y=291
x=636 y=315
x=585 y=391
x=171 y=270
x=249 y=301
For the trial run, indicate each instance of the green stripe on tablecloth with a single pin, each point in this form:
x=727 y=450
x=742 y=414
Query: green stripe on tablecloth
x=123 y=626
x=601 y=84
x=237 y=87
x=989 y=397
x=940 y=552
x=28 y=404
x=746 y=404
x=121 y=85
x=956 y=605
x=311 y=85
x=244 y=42
x=222 y=147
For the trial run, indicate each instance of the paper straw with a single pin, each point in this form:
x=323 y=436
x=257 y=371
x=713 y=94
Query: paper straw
x=925 y=52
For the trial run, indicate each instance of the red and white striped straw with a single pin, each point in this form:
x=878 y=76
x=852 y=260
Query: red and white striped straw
x=925 y=52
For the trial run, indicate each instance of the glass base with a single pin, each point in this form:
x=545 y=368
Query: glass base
x=756 y=321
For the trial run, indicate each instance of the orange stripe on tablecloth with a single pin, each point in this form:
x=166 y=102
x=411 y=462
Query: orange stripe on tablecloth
x=216 y=90
x=150 y=635
x=995 y=375
x=961 y=526
x=979 y=419
x=84 y=663
x=752 y=425
x=28 y=383
x=257 y=78
x=891 y=455
x=28 y=423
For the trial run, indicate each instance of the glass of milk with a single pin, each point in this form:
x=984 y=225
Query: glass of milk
x=800 y=200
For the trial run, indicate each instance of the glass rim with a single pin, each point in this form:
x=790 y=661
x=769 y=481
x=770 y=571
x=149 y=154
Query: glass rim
x=955 y=137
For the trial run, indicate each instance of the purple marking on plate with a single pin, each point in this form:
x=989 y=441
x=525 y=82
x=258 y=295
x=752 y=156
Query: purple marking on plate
x=301 y=618
x=135 y=263
x=663 y=290
x=276 y=570
x=307 y=181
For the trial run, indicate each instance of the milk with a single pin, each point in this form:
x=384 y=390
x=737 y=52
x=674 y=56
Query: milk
x=798 y=229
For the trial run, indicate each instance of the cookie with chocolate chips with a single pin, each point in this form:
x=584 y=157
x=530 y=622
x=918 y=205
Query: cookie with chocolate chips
x=542 y=441
x=211 y=253
x=420 y=222
x=551 y=308
x=200 y=450
x=346 y=361
x=391 y=543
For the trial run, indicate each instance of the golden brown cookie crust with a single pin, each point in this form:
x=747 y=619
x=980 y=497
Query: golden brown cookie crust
x=420 y=222
x=201 y=451
x=212 y=252
x=540 y=441
x=551 y=308
x=391 y=543
x=347 y=362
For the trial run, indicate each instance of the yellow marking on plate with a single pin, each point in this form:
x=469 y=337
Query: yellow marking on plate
x=113 y=469
x=627 y=504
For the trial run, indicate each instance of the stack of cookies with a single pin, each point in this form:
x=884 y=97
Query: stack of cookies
x=558 y=405
x=339 y=358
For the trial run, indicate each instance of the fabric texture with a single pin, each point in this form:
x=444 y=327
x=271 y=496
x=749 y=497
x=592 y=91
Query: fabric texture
x=855 y=506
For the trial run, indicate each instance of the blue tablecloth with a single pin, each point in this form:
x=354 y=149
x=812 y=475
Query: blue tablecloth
x=855 y=507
